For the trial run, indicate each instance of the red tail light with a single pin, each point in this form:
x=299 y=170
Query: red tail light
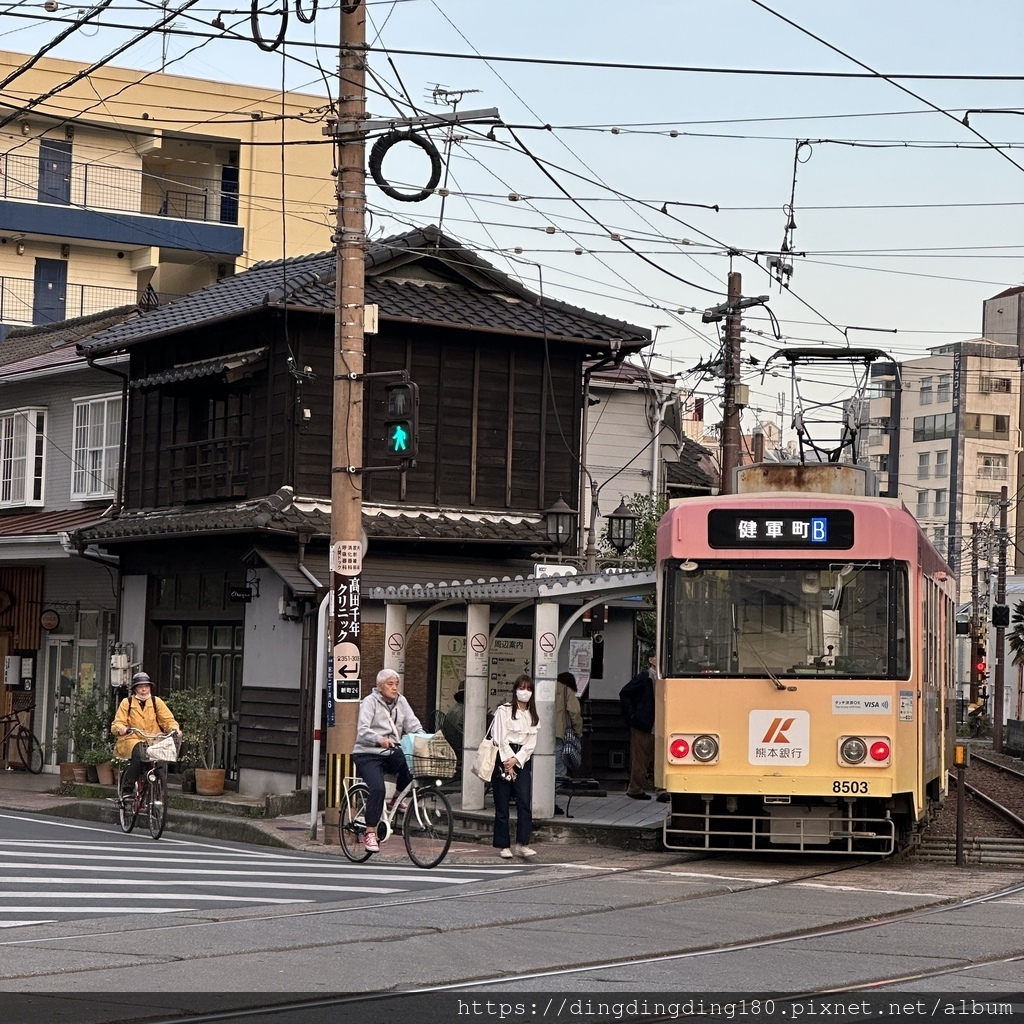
x=679 y=748
x=879 y=751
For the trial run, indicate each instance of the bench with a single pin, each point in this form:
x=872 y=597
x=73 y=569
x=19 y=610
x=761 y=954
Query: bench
x=577 y=787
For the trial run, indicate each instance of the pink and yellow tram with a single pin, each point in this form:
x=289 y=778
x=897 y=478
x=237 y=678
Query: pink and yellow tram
x=805 y=699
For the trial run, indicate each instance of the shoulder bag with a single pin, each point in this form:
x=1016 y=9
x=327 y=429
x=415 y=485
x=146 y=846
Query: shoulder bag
x=572 y=747
x=486 y=757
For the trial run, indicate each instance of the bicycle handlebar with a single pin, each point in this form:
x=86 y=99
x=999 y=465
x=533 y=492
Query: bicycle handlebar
x=146 y=735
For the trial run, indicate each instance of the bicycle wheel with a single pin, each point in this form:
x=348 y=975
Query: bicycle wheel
x=427 y=826
x=30 y=751
x=127 y=808
x=352 y=824
x=156 y=806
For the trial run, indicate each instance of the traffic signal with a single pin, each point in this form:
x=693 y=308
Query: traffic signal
x=401 y=419
x=980 y=664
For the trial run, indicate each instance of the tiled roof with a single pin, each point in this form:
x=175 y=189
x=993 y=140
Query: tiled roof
x=481 y=297
x=282 y=515
x=21 y=342
x=631 y=373
x=236 y=364
x=693 y=468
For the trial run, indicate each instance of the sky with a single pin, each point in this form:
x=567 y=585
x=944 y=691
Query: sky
x=905 y=218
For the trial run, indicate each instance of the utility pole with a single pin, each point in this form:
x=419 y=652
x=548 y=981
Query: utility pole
x=975 y=624
x=731 y=436
x=735 y=397
x=347 y=446
x=999 y=675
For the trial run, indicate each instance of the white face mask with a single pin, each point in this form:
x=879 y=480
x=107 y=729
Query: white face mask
x=523 y=695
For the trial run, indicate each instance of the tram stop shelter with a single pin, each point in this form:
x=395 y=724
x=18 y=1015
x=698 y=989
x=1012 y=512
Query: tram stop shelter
x=559 y=603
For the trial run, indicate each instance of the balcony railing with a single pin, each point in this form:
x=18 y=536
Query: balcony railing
x=203 y=470
x=992 y=472
x=102 y=187
x=17 y=297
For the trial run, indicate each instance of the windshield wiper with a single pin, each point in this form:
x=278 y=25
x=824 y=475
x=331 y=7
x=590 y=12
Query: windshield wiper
x=779 y=684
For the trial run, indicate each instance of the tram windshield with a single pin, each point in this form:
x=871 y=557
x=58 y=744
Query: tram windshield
x=786 y=619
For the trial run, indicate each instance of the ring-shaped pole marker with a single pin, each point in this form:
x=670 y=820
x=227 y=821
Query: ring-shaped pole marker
x=383 y=144
x=306 y=19
x=257 y=36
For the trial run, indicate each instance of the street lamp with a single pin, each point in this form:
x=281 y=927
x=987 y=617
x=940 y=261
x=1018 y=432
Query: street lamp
x=560 y=524
x=621 y=527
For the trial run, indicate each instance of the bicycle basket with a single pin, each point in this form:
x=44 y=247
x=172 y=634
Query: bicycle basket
x=163 y=749
x=434 y=757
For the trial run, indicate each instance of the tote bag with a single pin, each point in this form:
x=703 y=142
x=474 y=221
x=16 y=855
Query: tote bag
x=485 y=759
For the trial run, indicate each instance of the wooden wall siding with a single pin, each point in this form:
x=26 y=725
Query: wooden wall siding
x=21 y=601
x=268 y=729
x=489 y=434
x=169 y=415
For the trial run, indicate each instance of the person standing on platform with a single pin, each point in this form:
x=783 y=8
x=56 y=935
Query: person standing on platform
x=637 y=701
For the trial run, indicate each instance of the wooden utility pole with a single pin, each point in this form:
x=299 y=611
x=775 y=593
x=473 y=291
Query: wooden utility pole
x=731 y=436
x=347 y=447
x=975 y=684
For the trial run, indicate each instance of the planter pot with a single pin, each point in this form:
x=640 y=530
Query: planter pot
x=209 y=781
x=79 y=773
x=91 y=775
x=67 y=771
x=188 y=783
x=105 y=774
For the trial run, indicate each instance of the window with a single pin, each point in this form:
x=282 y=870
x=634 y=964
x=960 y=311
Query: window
x=22 y=447
x=935 y=428
x=984 y=501
x=940 y=537
x=923 y=465
x=922 y=503
x=925 y=396
x=97 y=433
x=992 y=467
x=942 y=395
x=995 y=385
x=941 y=498
x=987 y=426
x=942 y=464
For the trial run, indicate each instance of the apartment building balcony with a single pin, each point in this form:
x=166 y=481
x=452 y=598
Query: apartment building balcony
x=877 y=444
x=20 y=301
x=880 y=409
x=75 y=200
x=993 y=473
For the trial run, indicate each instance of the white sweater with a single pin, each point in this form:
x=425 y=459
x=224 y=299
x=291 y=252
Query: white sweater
x=506 y=730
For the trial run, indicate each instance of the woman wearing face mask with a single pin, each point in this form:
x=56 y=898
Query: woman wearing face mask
x=515 y=732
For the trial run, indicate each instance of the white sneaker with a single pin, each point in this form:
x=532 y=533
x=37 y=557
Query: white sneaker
x=526 y=851
x=506 y=854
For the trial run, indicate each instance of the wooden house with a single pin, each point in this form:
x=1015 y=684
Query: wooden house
x=223 y=515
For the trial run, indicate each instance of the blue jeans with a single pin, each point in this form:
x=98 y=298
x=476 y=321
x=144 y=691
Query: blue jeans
x=522 y=786
x=371 y=768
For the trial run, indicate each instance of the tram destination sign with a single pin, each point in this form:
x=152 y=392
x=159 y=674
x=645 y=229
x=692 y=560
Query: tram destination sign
x=780 y=528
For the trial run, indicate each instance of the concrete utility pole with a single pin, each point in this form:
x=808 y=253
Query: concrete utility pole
x=347 y=448
x=975 y=686
x=999 y=673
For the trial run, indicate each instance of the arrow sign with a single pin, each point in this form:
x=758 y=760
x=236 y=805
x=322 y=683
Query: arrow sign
x=346 y=661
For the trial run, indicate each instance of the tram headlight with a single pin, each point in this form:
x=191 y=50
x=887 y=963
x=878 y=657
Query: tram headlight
x=705 y=748
x=853 y=750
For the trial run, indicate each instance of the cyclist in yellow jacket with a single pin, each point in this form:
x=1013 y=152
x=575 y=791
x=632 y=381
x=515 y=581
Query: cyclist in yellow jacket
x=144 y=711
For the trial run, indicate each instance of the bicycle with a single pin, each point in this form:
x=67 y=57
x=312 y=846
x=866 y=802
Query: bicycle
x=426 y=821
x=150 y=794
x=29 y=749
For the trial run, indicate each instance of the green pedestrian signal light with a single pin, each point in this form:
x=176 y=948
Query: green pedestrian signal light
x=401 y=420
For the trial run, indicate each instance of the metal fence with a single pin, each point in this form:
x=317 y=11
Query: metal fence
x=103 y=187
x=17 y=299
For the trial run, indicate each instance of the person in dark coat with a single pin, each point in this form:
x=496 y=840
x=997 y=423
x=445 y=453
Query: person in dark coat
x=637 y=701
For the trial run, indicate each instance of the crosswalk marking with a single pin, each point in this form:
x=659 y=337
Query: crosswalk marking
x=46 y=882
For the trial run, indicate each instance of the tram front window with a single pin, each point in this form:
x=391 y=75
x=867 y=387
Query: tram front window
x=823 y=619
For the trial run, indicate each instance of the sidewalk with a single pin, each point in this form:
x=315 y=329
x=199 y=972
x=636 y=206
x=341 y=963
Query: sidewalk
x=613 y=821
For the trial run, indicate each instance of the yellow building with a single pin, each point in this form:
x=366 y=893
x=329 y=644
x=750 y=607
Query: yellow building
x=130 y=186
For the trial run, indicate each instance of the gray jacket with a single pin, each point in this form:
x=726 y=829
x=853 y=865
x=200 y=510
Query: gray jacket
x=377 y=720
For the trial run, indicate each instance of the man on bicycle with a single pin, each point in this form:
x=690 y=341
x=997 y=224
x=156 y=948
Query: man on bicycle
x=384 y=718
x=149 y=714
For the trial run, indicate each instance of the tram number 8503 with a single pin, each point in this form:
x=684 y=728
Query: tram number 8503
x=849 y=787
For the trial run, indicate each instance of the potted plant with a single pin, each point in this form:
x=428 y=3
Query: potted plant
x=99 y=757
x=93 y=744
x=199 y=721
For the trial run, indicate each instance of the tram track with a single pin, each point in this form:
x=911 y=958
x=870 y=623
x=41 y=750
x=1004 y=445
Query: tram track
x=285 y=1008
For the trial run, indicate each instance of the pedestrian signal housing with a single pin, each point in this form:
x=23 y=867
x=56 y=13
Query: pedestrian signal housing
x=401 y=420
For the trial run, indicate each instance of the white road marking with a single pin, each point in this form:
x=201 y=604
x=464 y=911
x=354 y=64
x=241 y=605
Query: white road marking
x=118 y=899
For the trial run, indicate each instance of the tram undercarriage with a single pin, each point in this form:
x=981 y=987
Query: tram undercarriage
x=782 y=824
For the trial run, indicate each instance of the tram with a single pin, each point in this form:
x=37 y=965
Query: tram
x=805 y=700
